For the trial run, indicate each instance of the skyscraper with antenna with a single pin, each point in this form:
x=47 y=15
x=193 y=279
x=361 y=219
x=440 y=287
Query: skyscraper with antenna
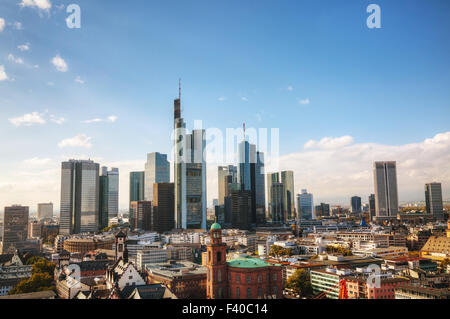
x=189 y=173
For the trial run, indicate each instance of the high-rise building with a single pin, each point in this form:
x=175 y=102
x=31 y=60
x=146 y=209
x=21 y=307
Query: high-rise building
x=137 y=186
x=141 y=215
x=45 y=211
x=241 y=203
x=163 y=207
x=226 y=176
x=15 y=228
x=103 y=199
x=433 y=200
x=355 y=204
x=246 y=155
x=113 y=193
x=386 y=194
x=271 y=179
x=259 y=189
x=372 y=210
x=157 y=170
x=305 y=204
x=277 y=203
x=189 y=174
x=287 y=178
x=323 y=210
x=79 y=197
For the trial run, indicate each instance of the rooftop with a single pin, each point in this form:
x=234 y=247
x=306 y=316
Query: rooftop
x=248 y=262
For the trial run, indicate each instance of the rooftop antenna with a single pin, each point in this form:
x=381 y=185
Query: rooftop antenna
x=244 y=130
x=179 y=88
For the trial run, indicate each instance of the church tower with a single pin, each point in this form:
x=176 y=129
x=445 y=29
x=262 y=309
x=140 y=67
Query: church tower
x=216 y=265
x=121 y=248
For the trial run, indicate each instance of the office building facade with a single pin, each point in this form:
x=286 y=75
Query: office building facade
x=355 y=204
x=386 y=194
x=305 y=205
x=15 y=228
x=157 y=170
x=79 y=197
x=433 y=200
x=45 y=211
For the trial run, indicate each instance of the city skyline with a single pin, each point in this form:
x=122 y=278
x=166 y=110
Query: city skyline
x=58 y=105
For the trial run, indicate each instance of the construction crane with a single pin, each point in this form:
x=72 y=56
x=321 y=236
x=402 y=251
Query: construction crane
x=343 y=294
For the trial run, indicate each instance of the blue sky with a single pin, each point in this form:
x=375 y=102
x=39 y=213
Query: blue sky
x=251 y=61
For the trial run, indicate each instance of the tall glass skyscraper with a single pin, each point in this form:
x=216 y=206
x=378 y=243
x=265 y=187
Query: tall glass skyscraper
x=246 y=155
x=137 y=186
x=79 y=197
x=113 y=193
x=189 y=174
x=386 y=195
x=103 y=199
x=305 y=205
x=287 y=178
x=15 y=228
x=433 y=200
x=355 y=204
x=157 y=170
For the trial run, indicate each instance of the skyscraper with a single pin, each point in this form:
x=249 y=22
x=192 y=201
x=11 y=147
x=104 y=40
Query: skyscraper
x=113 y=193
x=386 y=195
x=305 y=204
x=287 y=178
x=189 y=174
x=103 y=199
x=241 y=202
x=137 y=186
x=15 y=228
x=372 y=210
x=271 y=179
x=246 y=155
x=226 y=176
x=163 y=207
x=433 y=200
x=355 y=204
x=259 y=189
x=277 y=203
x=45 y=211
x=79 y=197
x=157 y=170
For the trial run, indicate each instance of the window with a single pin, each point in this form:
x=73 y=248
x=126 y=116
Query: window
x=209 y=256
x=260 y=294
x=238 y=278
x=274 y=277
x=238 y=292
x=275 y=290
x=249 y=279
x=219 y=256
x=249 y=293
x=259 y=278
x=219 y=292
x=219 y=275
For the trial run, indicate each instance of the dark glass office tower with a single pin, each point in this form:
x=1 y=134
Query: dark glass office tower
x=433 y=200
x=79 y=197
x=15 y=228
x=386 y=195
x=103 y=200
x=355 y=204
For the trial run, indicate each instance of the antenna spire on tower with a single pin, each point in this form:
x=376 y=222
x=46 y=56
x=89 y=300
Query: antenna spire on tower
x=244 y=130
x=179 y=88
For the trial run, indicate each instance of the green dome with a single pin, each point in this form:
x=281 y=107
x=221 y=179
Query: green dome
x=215 y=226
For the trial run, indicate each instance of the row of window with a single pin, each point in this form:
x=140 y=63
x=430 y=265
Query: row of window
x=248 y=292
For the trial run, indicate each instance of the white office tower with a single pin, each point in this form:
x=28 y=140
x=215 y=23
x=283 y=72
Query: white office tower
x=305 y=205
x=45 y=211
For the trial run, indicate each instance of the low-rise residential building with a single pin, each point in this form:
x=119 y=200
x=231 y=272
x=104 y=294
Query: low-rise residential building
x=414 y=292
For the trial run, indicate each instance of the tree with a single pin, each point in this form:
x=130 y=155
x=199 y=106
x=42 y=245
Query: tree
x=300 y=282
x=278 y=251
x=40 y=280
x=444 y=264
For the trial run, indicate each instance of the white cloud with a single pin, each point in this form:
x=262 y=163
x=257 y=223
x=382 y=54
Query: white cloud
x=222 y=98
x=57 y=120
x=59 y=64
x=12 y=58
x=304 y=102
x=40 y=4
x=2 y=24
x=79 y=80
x=81 y=140
x=111 y=118
x=24 y=47
x=335 y=174
x=329 y=142
x=50 y=83
x=28 y=119
x=290 y=88
x=245 y=99
x=3 y=75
